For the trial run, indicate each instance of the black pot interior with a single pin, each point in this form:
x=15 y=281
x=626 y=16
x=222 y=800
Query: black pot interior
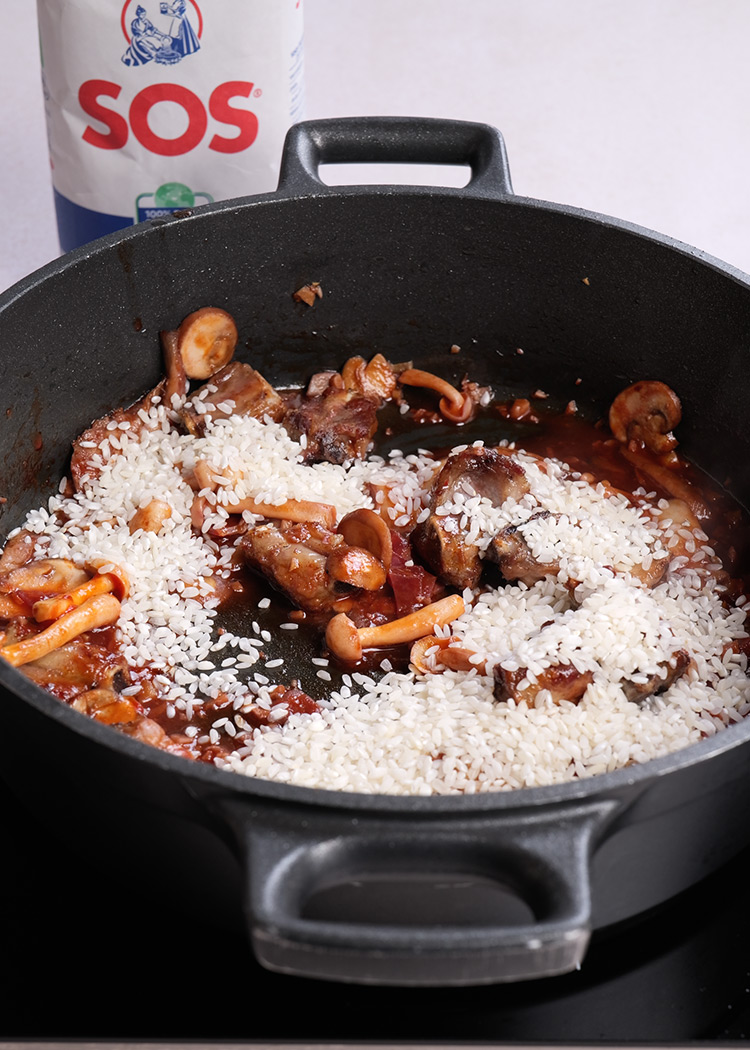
x=408 y=274
x=535 y=296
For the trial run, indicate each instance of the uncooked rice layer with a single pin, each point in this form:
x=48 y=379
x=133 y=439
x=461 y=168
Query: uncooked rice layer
x=409 y=733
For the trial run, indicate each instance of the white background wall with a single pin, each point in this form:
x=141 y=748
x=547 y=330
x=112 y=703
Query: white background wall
x=639 y=109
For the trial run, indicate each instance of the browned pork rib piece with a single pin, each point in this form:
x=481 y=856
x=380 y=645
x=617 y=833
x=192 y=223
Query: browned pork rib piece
x=668 y=674
x=514 y=558
x=87 y=463
x=239 y=385
x=564 y=682
x=439 y=540
x=338 y=425
x=293 y=556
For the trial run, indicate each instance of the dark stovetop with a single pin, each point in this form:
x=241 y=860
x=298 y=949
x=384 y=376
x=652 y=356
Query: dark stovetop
x=74 y=967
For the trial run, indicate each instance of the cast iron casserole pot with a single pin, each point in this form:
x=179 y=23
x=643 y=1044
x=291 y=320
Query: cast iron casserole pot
x=407 y=271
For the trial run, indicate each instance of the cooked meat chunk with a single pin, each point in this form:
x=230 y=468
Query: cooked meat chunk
x=239 y=384
x=86 y=462
x=563 y=681
x=412 y=586
x=293 y=556
x=514 y=557
x=339 y=425
x=668 y=674
x=439 y=540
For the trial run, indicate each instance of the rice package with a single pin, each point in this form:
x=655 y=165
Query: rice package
x=162 y=105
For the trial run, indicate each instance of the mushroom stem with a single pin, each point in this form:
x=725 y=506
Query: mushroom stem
x=291 y=510
x=177 y=381
x=100 y=583
x=99 y=611
x=347 y=642
x=454 y=406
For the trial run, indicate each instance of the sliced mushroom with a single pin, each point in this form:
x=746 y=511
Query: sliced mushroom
x=78 y=666
x=43 y=576
x=439 y=540
x=376 y=379
x=364 y=528
x=562 y=681
x=148 y=731
x=653 y=574
x=19 y=550
x=646 y=413
x=347 y=641
x=12 y=607
x=455 y=406
x=443 y=656
x=99 y=611
x=676 y=518
x=206 y=340
x=206 y=476
x=105 y=705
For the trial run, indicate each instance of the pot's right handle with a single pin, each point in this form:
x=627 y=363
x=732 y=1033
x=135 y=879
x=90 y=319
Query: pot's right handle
x=543 y=856
x=415 y=140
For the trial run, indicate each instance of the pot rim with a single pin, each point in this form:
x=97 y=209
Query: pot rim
x=235 y=783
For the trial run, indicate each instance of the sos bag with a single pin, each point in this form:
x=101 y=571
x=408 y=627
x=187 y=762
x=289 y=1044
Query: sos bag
x=157 y=106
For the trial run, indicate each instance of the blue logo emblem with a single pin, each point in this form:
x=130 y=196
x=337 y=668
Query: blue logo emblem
x=167 y=43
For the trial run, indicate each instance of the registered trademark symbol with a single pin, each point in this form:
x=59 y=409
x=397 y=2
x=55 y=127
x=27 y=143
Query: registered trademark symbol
x=257 y=93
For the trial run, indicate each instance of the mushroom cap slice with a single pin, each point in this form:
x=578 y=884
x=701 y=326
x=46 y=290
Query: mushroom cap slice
x=647 y=412
x=206 y=340
x=364 y=528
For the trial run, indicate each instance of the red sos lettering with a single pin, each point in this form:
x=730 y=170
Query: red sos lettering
x=219 y=108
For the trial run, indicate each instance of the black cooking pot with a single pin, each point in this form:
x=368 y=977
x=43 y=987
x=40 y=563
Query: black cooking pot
x=459 y=890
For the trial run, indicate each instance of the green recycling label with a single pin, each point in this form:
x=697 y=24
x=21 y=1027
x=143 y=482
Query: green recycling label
x=169 y=198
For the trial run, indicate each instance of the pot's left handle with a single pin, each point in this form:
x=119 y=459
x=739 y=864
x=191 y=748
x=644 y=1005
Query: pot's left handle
x=544 y=857
x=402 y=140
